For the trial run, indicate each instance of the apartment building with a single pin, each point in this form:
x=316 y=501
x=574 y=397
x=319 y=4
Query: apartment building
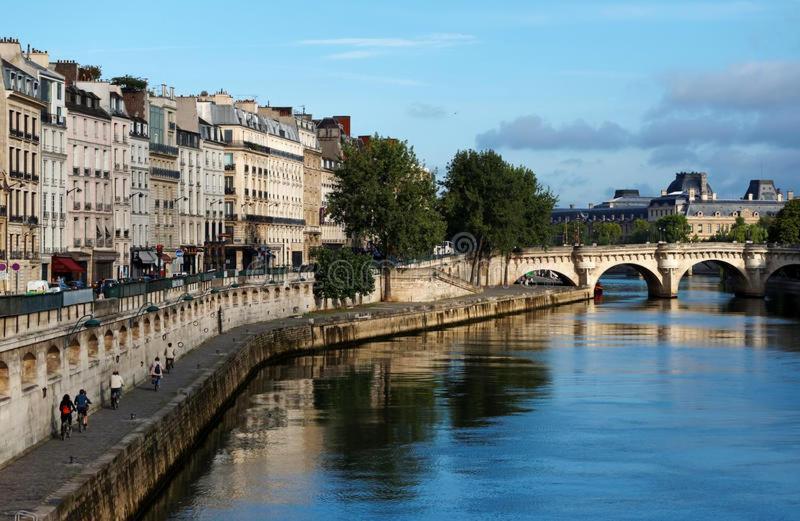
x=212 y=148
x=54 y=169
x=21 y=108
x=312 y=178
x=164 y=179
x=263 y=183
x=191 y=202
x=333 y=133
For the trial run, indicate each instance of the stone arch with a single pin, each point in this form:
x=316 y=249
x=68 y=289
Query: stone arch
x=736 y=278
x=773 y=275
x=562 y=265
x=157 y=323
x=5 y=383
x=182 y=314
x=108 y=341
x=53 y=360
x=235 y=298
x=135 y=331
x=122 y=336
x=28 y=370
x=146 y=326
x=74 y=354
x=174 y=313
x=244 y=297
x=655 y=285
x=93 y=346
x=277 y=293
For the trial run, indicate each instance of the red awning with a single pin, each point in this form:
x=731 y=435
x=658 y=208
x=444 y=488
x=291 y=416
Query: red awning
x=66 y=265
x=165 y=258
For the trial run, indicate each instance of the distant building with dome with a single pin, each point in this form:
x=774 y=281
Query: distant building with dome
x=689 y=194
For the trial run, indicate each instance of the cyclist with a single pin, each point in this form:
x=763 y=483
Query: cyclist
x=82 y=403
x=65 y=408
x=155 y=373
x=169 y=356
x=116 y=388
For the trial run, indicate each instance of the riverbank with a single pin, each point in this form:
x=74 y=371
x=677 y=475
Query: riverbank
x=108 y=472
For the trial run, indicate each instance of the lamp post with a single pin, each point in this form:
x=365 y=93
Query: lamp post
x=149 y=307
x=89 y=322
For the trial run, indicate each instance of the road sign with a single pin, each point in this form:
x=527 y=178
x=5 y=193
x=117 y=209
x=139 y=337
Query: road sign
x=179 y=252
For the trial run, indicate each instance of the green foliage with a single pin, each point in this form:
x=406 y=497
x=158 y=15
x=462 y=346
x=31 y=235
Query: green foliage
x=641 y=233
x=382 y=193
x=90 y=73
x=605 y=233
x=129 y=82
x=673 y=228
x=502 y=206
x=342 y=273
x=785 y=227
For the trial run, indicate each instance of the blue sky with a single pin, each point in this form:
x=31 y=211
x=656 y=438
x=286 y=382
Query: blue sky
x=590 y=95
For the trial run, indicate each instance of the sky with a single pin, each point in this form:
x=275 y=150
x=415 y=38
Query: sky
x=590 y=95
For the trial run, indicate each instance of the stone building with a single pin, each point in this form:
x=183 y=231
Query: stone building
x=54 y=169
x=164 y=179
x=213 y=152
x=21 y=109
x=312 y=189
x=333 y=133
x=143 y=255
x=111 y=101
x=191 y=200
x=263 y=183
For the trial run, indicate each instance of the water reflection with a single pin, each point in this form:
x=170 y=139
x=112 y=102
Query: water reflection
x=626 y=407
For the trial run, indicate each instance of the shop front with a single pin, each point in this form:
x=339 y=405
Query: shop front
x=67 y=269
x=145 y=263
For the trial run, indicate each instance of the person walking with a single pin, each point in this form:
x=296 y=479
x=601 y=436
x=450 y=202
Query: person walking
x=156 y=371
x=116 y=388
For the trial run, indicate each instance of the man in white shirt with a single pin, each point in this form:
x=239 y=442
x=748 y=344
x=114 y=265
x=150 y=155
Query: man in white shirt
x=116 y=388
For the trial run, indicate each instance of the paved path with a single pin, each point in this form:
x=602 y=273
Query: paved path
x=26 y=482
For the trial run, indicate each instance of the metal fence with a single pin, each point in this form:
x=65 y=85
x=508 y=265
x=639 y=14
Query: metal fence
x=24 y=304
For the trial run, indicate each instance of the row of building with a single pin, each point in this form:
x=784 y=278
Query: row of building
x=689 y=194
x=112 y=180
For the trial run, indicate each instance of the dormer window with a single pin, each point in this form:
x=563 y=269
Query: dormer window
x=699 y=214
x=755 y=214
x=716 y=214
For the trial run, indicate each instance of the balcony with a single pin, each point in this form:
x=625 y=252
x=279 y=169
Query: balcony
x=166 y=150
x=230 y=167
x=87 y=171
x=165 y=173
x=125 y=234
x=231 y=217
x=46 y=216
x=230 y=190
x=35 y=139
x=76 y=170
x=62 y=216
x=3 y=210
x=76 y=206
x=16 y=219
x=98 y=173
x=87 y=206
x=15 y=254
x=116 y=166
x=77 y=243
x=54 y=119
x=32 y=220
x=90 y=243
x=106 y=174
x=16 y=174
x=107 y=207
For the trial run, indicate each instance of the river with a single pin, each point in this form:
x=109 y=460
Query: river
x=626 y=408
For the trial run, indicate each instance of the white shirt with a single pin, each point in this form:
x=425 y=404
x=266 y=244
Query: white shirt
x=116 y=381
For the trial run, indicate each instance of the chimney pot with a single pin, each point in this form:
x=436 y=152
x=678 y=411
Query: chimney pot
x=789 y=195
x=750 y=196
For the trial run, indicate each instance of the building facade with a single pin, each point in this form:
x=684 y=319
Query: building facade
x=191 y=201
x=21 y=108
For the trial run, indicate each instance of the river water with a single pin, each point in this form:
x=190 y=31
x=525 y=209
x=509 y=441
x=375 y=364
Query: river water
x=620 y=409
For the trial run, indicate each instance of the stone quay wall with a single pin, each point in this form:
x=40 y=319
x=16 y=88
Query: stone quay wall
x=117 y=485
x=39 y=367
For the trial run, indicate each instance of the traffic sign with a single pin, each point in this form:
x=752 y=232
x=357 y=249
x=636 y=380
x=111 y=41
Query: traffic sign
x=179 y=252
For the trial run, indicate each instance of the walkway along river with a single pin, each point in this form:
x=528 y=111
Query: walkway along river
x=619 y=409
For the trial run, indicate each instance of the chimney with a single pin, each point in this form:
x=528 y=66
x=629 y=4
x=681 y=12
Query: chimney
x=572 y=207
x=663 y=192
x=163 y=90
x=40 y=58
x=704 y=196
x=713 y=196
x=344 y=121
x=591 y=205
x=780 y=195
x=692 y=194
x=789 y=195
x=172 y=92
x=68 y=69
x=750 y=196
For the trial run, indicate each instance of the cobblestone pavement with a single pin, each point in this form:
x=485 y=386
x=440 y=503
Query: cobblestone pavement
x=29 y=480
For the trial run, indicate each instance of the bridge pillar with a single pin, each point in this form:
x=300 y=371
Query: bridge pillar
x=755 y=263
x=669 y=269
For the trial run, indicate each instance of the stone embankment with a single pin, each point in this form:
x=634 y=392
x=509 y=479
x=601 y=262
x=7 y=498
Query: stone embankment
x=117 y=483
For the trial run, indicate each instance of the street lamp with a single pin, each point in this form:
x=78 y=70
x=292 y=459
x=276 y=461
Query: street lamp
x=146 y=308
x=140 y=194
x=89 y=322
x=76 y=189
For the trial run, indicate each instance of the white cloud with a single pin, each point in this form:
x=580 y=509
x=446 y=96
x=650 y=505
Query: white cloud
x=432 y=40
x=352 y=55
x=387 y=80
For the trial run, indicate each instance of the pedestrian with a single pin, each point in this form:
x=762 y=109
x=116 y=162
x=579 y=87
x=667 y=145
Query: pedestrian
x=156 y=372
x=82 y=403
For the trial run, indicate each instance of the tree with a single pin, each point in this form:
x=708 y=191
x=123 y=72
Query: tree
x=641 y=233
x=383 y=194
x=673 y=228
x=89 y=73
x=785 y=227
x=502 y=206
x=342 y=274
x=605 y=233
x=130 y=83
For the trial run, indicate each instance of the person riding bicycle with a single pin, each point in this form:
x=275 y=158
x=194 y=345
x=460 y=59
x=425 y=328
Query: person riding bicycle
x=65 y=409
x=82 y=403
x=116 y=386
x=156 y=371
x=169 y=356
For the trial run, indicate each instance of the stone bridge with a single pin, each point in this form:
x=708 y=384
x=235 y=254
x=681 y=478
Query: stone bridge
x=662 y=265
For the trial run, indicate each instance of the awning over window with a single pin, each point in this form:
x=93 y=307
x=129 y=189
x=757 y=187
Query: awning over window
x=165 y=258
x=147 y=257
x=66 y=265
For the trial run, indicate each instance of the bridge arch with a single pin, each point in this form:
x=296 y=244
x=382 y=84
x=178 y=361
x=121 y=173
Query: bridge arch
x=651 y=276
x=736 y=276
x=519 y=266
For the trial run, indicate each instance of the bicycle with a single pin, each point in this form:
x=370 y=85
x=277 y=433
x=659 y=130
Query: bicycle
x=66 y=427
x=115 y=399
x=82 y=413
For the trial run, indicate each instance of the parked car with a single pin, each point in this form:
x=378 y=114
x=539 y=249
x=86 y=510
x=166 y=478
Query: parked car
x=55 y=287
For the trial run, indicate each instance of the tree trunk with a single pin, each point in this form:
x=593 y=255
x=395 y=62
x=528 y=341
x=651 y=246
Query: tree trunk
x=505 y=269
x=387 y=283
x=475 y=259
